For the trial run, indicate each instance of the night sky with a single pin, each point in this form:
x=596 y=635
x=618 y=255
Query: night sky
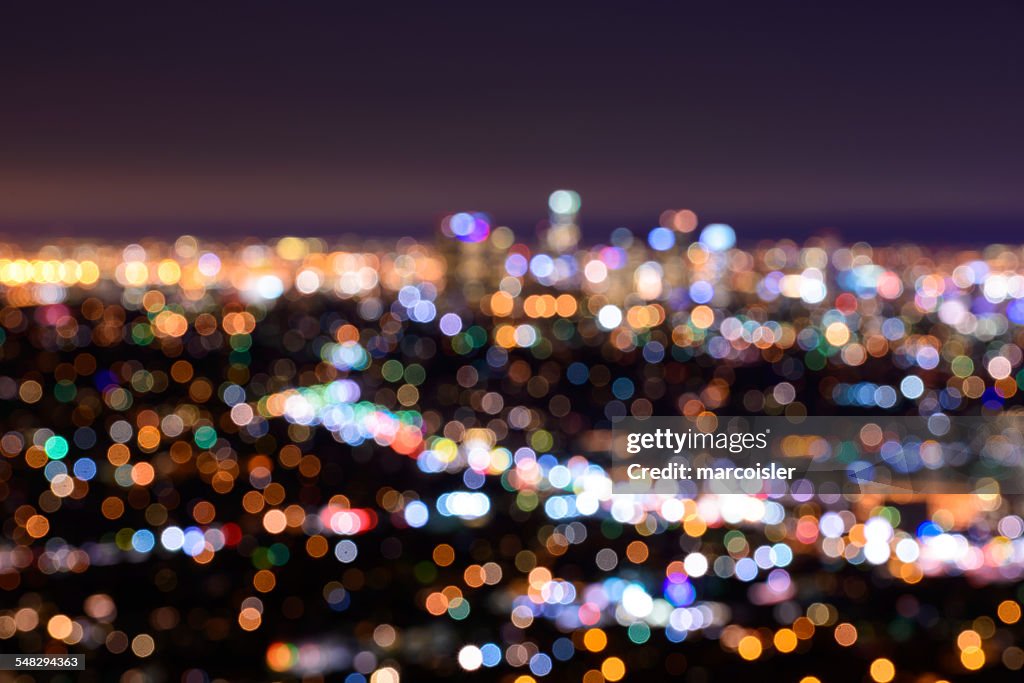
x=875 y=118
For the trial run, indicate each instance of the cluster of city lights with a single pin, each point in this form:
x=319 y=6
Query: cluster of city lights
x=416 y=430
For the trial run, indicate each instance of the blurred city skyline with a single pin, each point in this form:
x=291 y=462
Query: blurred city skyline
x=877 y=121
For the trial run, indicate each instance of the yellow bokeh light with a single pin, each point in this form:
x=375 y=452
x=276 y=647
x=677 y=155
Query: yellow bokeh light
x=882 y=670
x=968 y=638
x=837 y=334
x=785 y=640
x=973 y=658
x=613 y=669
x=59 y=626
x=702 y=317
x=750 y=648
x=595 y=640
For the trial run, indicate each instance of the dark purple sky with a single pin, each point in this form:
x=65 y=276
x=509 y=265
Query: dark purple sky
x=315 y=116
